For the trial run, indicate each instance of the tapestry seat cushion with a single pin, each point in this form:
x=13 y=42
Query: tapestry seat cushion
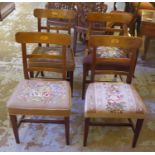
x=108 y=52
x=40 y=97
x=113 y=100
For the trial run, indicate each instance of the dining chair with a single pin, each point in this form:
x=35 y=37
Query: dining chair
x=110 y=23
x=41 y=97
x=113 y=100
x=62 y=20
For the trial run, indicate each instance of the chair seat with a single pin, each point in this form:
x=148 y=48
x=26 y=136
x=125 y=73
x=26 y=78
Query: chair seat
x=52 y=63
x=108 y=52
x=38 y=97
x=113 y=100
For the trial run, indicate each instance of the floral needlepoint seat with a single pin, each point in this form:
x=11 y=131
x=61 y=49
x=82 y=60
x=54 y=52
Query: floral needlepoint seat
x=116 y=101
x=31 y=96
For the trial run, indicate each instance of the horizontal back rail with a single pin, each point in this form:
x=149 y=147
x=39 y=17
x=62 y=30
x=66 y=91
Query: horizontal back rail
x=43 y=37
x=55 y=13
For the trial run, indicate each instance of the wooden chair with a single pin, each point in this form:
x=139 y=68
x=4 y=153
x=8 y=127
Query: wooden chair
x=82 y=25
x=66 y=15
x=36 y=97
x=113 y=100
x=110 y=19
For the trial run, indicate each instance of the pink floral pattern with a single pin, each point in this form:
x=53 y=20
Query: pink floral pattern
x=112 y=97
x=39 y=93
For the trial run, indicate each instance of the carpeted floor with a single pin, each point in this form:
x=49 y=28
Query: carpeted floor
x=50 y=137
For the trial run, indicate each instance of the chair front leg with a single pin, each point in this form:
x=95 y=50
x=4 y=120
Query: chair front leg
x=13 y=119
x=67 y=130
x=86 y=130
x=138 y=127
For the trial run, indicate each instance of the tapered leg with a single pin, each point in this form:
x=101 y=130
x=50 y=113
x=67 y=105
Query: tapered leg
x=13 y=119
x=42 y=74
x=129 y=79
x=67 y=130
x=71 y=77
x=84 y=82
x=75 y=40
x=139 y=124
x=31 y=74
x=86 y=130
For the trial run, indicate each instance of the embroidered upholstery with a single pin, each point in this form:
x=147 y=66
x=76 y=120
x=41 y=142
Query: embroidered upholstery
x=111 y=52
x=113 y=100
x=52 y=63
x=35 y=95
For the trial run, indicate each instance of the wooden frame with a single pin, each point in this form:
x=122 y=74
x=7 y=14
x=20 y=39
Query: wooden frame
x=16 y=124
x=136 y=128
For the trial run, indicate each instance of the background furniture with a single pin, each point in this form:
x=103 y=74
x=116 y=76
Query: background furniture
x=147 y=28
x=82 y=25
x=134 y=8
x=5 y=9
x=82 y=8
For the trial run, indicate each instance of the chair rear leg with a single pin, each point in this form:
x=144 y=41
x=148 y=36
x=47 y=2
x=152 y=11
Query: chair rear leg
x=138 y=127
x=75 y=40
x=13 y=119
x=129 y=79
x=86 y=130
x=84 y=82
x=67 y=130
x=42 y=74
x=31 y=74
x=71 y=76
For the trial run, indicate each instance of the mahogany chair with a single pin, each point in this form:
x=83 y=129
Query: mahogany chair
x=66 y=15
x=41 y=97
x=113 y=100
x=82 y=25
x=110 y=19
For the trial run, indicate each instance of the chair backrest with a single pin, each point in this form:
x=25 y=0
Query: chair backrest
x=109 y=20
x=129 y=44
x=56 y=16
x=63 y=40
